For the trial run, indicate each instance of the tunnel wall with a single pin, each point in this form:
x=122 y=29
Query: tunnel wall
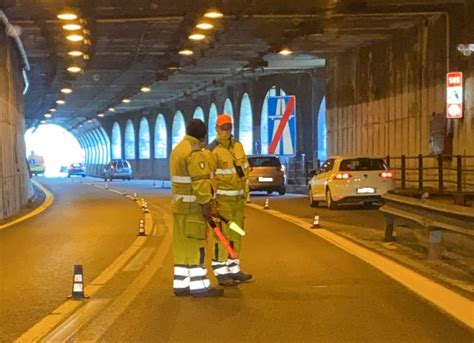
x=14 y=178
x=384 y=99
x=309 y=88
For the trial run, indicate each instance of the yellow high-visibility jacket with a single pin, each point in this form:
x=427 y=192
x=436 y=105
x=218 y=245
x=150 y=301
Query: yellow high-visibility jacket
x=227 y=157
x=190 y=173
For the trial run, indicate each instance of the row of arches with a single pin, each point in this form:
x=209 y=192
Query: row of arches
x=97 y=146
x=244 y=131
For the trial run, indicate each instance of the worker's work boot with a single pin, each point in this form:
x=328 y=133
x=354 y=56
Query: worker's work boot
x=241 y=277
x=226 y=280
x=182 y=292
x=210 y=293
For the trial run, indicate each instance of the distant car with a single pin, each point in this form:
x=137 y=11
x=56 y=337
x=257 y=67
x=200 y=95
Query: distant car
x=118 y=169
x=266 y=174
x=348 y=179
x=36 y=167
x=76 y=169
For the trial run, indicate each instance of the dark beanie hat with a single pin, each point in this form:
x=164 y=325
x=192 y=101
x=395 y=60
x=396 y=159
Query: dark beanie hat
x=196 y=128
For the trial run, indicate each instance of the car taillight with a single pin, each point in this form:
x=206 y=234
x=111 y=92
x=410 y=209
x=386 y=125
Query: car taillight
x=386 y=174
x=342 y=176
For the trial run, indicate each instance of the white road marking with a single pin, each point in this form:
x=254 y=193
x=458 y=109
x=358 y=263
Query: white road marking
x=448 y=301
x=49 y=198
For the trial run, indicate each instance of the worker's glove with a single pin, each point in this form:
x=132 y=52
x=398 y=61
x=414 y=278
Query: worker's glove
x=206 y=211
x=214 y=209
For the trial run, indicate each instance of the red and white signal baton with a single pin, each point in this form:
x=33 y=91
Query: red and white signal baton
x=222 y=238
x=233 y=226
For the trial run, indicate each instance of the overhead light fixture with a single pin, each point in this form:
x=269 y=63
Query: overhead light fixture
x=67 y=14
x=66 y=89
x=89 y=120
x=75 y=37
x=52 y=109
x=74 y=69
x=213 y=13
x=72 y=27
x=75 y=53
x=145 y=89
x=186 y=52
x=126 y=100
x=285 y=52
x=197 y=36
x=204 y=26
x=111 y=109
x=174 y=66
x=48 y=115
x=43 y=122
x=100 y=115
x=60 y=101
x=80 y=125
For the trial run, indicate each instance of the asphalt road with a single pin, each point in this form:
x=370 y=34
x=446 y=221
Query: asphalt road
x=304 y=290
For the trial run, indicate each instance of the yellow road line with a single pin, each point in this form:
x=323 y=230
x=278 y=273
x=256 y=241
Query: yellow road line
x=447 y=300
x=65 y=310
x=46 y=203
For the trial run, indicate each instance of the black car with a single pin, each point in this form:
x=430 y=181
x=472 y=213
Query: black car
x=76 y=169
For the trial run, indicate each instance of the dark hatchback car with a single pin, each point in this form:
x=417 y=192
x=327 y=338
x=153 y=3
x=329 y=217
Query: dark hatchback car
x=118 y=169
x=76 y=169
x=266 y=174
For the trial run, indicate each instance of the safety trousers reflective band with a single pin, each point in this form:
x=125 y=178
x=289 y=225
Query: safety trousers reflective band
x=230 y=193
x=181 y=278
x=181 y=179
x=199 y=282
x=220 y=268
x=184 y=198
x=225 y=171
x=233 y=266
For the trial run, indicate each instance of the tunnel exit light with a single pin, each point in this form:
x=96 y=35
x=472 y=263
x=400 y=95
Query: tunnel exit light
x=454 y=95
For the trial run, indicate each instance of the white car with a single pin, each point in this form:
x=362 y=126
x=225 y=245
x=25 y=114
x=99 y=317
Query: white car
x=349 y=179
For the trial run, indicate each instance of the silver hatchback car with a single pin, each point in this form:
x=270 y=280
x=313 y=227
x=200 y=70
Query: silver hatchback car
x=266 y=174
x=118 y=169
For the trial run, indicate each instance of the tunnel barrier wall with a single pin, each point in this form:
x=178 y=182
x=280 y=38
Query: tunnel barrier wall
x=15 y=186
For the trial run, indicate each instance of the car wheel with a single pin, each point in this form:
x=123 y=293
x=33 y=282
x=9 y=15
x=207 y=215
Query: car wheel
x=282 y=191
x=129 y=178
x=332 y=205
x=83 y=175
x=69 y=176
x=312 y=202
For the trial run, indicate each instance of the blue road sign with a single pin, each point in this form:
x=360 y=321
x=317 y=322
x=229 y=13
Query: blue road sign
x=282 y=125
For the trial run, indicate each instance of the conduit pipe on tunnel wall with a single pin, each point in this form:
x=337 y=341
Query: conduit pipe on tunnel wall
x=16 y=36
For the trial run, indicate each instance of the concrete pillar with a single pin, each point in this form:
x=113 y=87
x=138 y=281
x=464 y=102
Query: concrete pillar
x=14 y=179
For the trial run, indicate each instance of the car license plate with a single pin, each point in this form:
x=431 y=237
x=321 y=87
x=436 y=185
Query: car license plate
x=265 y=179
x=366 y=190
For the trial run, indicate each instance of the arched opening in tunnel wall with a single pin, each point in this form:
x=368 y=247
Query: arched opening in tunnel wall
x=178 y=131
x=129 y=141
x=246 y=124
x=322 y=131
x=229 y=110
x=274 y=91
x=144 y=140
x=161 y=137
x=212 y=123
x=57 y=146
x=199 y=114
x=116 y=141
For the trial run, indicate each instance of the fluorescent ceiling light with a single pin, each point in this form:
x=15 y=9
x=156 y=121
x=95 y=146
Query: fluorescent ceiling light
x=145 y=89
x=186 y=52
x=204 y=26
x=197 y=36
x=72 y=27
x=75 y=53
x=74 y=69
x=213 y=14
x=75 y=37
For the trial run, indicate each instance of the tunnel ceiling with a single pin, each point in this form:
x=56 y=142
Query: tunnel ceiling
x=135 y=43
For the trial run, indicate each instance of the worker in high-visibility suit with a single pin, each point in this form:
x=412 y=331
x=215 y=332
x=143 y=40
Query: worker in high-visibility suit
x=190 y=173
x=231 y=188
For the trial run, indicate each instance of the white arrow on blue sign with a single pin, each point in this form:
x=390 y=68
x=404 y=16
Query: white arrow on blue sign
x=282 y=125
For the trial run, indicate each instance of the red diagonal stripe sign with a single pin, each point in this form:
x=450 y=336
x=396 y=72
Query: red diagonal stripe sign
x=284 y=120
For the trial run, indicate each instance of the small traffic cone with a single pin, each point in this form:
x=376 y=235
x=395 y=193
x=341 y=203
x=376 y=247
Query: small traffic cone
x=267 y=204
x=134 y=196
x=141 y=228
x=106 y=186
x=315 y=222
x=78 y=284
x=247 y=200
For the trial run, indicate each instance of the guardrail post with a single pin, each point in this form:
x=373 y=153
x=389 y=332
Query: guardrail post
x=390 y=223
x=404 y=176
x=435 y=247
x=420 y=172
x=459 y=173
x=440 y=174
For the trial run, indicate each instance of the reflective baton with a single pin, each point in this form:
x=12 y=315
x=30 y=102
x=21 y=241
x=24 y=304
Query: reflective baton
x=223 y=240
x=232 y=225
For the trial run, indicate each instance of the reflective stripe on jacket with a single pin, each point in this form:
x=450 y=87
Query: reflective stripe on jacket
x=190 y=174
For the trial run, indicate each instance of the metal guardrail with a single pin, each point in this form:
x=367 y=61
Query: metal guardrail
x=431 y=215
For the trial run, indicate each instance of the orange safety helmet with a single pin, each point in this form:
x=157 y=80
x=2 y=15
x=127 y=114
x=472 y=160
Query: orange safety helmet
x=223 y=119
